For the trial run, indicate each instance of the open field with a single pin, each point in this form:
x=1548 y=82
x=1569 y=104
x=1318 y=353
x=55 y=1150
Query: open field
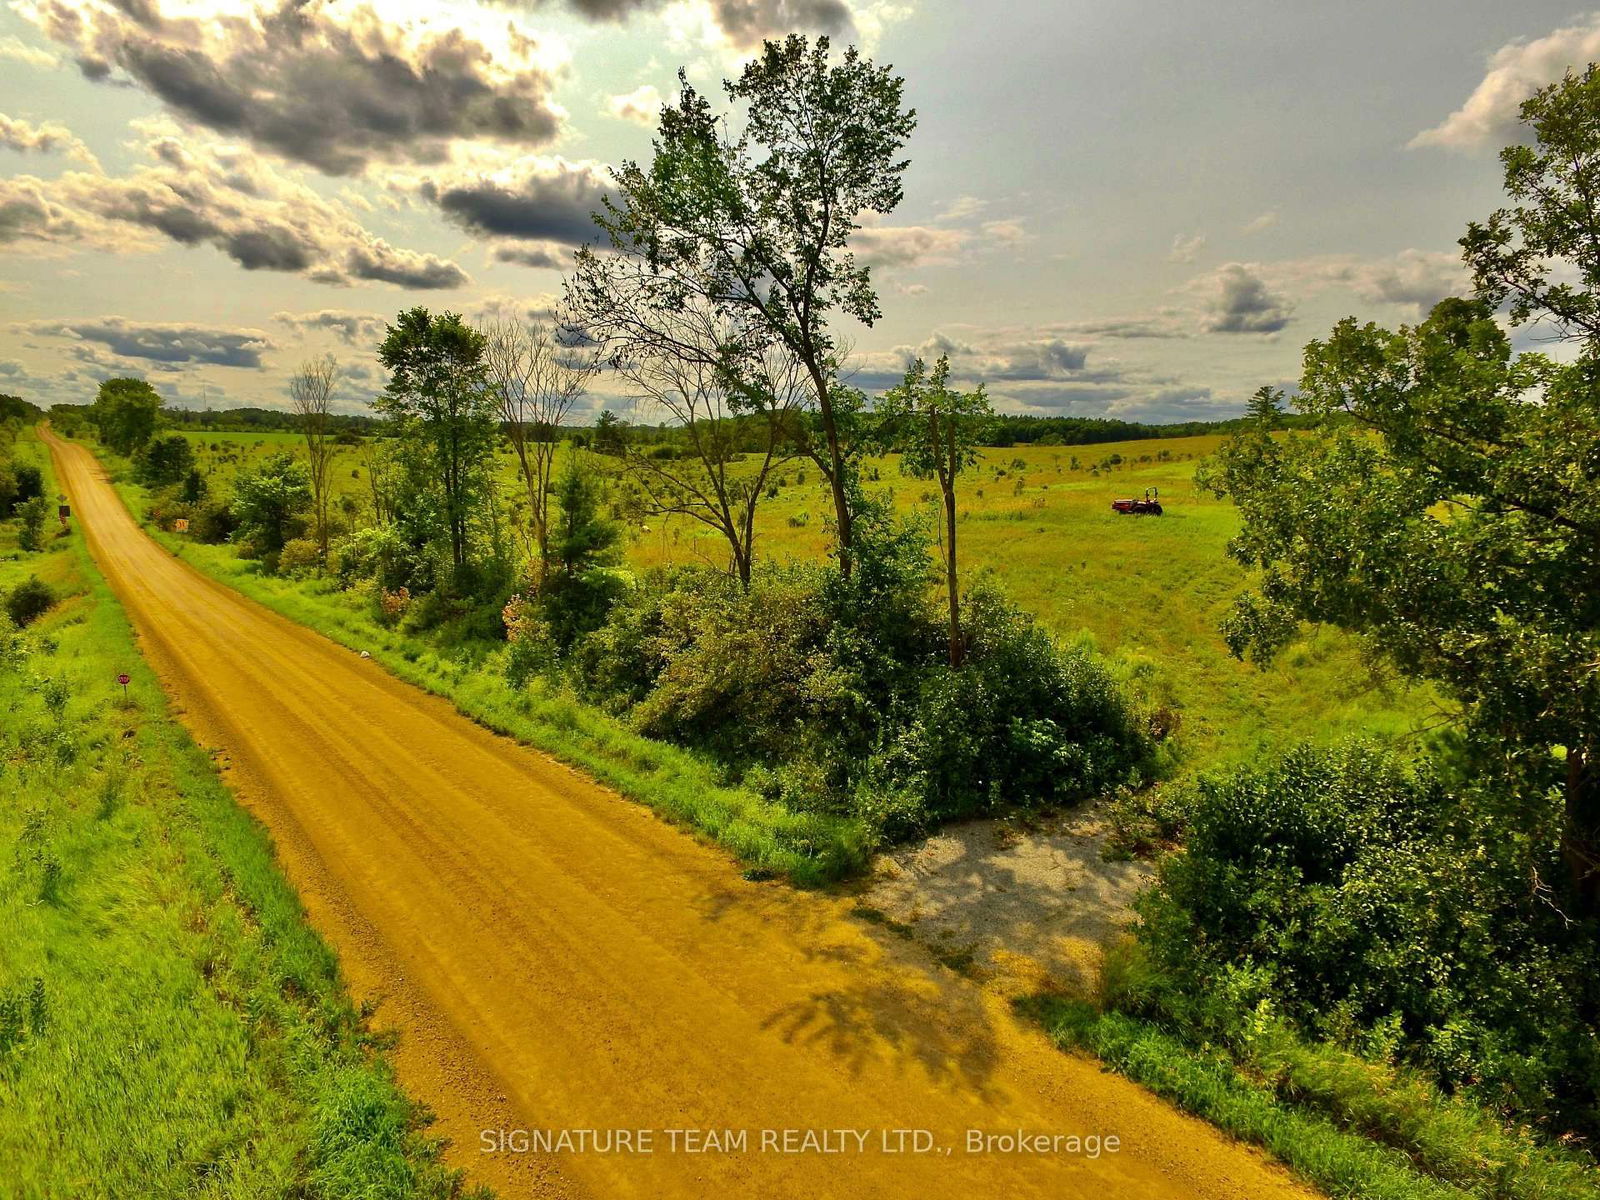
x=1149 y=592
x=169 y=1023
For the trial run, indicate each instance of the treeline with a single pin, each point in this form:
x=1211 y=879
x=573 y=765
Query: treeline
x=238 y=420
x=1010 y=429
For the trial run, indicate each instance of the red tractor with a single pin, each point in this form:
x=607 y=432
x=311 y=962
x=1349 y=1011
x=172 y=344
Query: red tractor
x=1149 y=506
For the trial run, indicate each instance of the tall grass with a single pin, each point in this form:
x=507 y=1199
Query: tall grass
x=170 y=1025
x=1353 y=1128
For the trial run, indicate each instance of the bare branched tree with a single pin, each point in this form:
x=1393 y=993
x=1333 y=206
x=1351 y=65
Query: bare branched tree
x=311 y=392
x=537 y=373
x=737 y=401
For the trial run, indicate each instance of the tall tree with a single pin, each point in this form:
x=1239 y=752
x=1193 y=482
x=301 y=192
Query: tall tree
x=537 y=374
x=938 y=432
x=1452 y=518
x=1266 y=407
x=758 y=221
x=311 y=391
x=124 y=413
x=437 y=392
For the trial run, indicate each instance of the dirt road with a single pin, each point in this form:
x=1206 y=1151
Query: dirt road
x=556 y=958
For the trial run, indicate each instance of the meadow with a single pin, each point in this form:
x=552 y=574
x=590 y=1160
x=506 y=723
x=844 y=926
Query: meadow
x=170 y=1024
x=1147 y=592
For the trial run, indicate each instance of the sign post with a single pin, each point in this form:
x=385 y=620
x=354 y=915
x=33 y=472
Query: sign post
x=124 y=679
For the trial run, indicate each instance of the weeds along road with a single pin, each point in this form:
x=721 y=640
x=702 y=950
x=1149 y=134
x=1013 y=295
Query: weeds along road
x=555 y=957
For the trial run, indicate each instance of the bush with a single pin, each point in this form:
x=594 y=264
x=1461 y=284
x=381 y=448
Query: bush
x=33 y=514
x=30 y=483
x=750 y=675
x=164 y=462
x=1021 y=722
x=212 y=522
x=270 y=503
x=299 y=558
x=1374 y=906
x=29 y=601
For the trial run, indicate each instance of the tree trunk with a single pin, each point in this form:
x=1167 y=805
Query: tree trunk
x=841 y=498
x=1580 y=840
x=958 y=648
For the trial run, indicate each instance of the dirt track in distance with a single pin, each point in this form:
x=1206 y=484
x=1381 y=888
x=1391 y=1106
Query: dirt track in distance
x=554 y=956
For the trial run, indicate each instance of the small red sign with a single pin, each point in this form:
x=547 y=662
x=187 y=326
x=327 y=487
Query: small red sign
x=124 y=679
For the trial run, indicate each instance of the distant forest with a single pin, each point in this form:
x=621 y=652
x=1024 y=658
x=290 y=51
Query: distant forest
x=1005 y=429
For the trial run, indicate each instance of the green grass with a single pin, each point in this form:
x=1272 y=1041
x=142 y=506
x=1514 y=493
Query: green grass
x=170 y=1025
x=807 y=848
x=1353 y=1128
x=1147 y=592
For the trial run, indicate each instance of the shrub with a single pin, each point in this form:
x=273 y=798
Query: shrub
x=28 y=601
x=270 y=502
x=531 y=646
x=300 y=557
x=212 y=521
x=30 y=536
x=30 y=483
x=1371 y=904
x=750 y=675
x=164 y=462
x=1022 y=721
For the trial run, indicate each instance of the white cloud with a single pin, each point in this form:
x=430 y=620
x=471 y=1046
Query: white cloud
x=17 y=50
x=641 y=106
x=17 y=134
x=1186 y=249
x=1490 y=115
x=1265 y=221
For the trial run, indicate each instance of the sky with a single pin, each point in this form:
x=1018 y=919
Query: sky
x=1136 y=209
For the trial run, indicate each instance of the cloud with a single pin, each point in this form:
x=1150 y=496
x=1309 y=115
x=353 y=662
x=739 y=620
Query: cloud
x=747 y=23
x=17 y=50
x=347 y=326
x=1165 y=323
x=168 y=345
x=963 y=208
x=1265 y=221
x=877 y=245
x=1415 y=278
x=641 y=106
x=321 y=82
x=540 y=200
x=1005 y=233
x=1490 y=115
x=221 y=196
x=17 y=134
x=546 y=257
x=1237 y=300
x=1186 y=249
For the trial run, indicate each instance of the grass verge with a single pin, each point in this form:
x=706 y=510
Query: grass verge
x=807 y=848
x=1353 y=1128
x=170 y=1025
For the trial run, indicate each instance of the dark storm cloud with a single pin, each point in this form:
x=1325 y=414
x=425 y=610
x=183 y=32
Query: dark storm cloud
x=544 y=205
x=1239 y=301
x=547 y=257
x=164 y=344
x=324 y=83
x=745 y=23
